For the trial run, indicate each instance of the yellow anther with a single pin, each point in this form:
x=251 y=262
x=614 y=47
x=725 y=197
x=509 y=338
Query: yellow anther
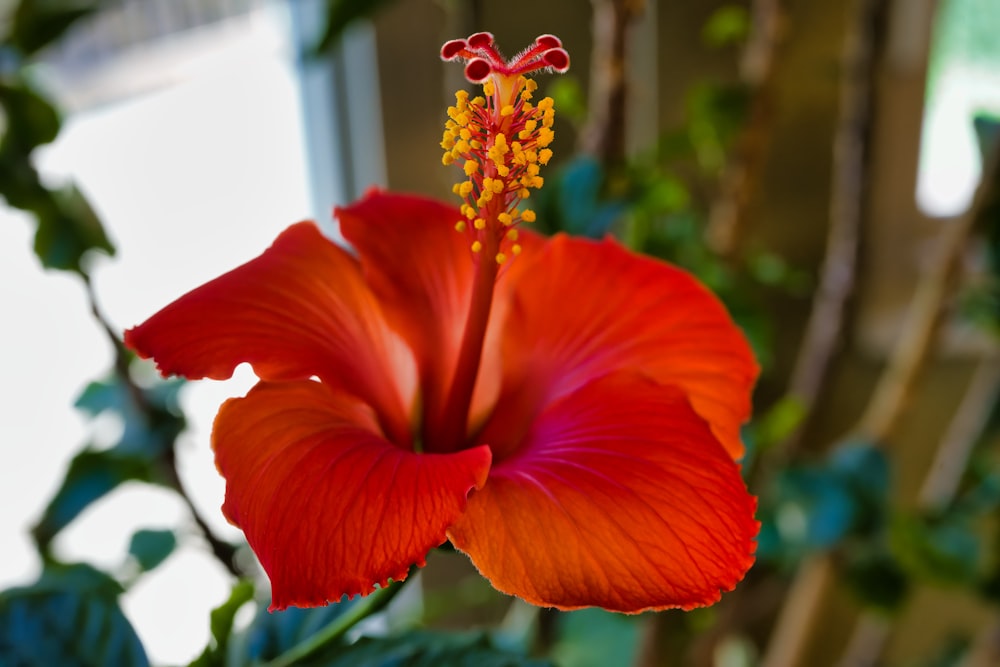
x=545 y=103
x=460 y=226
x=506 y=219
x=447 y=159
x=530 y=85
x=532 y=169
x=476 y=246
x=465 y=133
x=498 y=186
x=501 y=258
x=516 y=249
x=512 y=234
x=468 y=211
x=470 y=167
x=545 y=155
x=488 y=88
x=507 y=110
x=545 y=137
x=503 y=170
x=465 y=189
x=456 y=188
x=479 y=224
x=524 y=193
x=478 y=101
x=528 y=215
x=462 y=146
x=476 y=145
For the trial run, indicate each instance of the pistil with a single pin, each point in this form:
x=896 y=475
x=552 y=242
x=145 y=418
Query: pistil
x=500 y=140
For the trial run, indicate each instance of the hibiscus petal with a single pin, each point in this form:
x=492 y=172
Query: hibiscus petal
x=299 y=310
x=619 y=497
x=330 y=506
x=583 y=309
x=421 y=270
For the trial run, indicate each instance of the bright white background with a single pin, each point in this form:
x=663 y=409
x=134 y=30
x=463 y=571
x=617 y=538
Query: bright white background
x=191 y=178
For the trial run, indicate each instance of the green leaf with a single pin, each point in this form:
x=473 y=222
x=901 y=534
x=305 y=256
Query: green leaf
x=223 y=617
x=92 y=474
x=149 y=548
x=271 y=634
x=429 y=649
x=69 y=617
x=38 y=23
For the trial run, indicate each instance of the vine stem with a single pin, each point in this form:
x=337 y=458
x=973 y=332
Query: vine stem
x=338 y=627
x=223 y=551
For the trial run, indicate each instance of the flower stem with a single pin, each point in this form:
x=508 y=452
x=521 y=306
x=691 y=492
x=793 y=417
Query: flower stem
x=450 y=436
x=337 y=628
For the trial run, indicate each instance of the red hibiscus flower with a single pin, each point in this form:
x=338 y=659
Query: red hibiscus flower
x=569 y=418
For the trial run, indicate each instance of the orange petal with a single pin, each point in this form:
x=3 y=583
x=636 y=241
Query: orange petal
x=583 y=309
x=421 y=269
x=620 y=497
x=299 y=310
x=329 y=506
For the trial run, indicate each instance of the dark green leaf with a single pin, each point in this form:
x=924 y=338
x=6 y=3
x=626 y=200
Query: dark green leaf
x=877 y=580
x=38 y=23
x=150 y=428
x=429 y=649
x=149 y=548
x=31 y=119
x=222 y=625
x=67 y=230
x=69 y=617
x=340 y=14
x=92 y=474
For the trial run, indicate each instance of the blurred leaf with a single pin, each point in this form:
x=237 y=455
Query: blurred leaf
x=92 y=474
x=430 y=649
x=341 y=13
x=944 y=550
x=69 y=617
x=815 y=511
x=67 y=230
x=38 y=23
x=779 y=422
x=149 y=548
x=150 y=428
x=223 y=617
x=569 y=99
x=864 y=469
x=877 y=580
x=726 y=25
x=574 y=202
x=272 y=633
x=595 y=638
x=31 y=120
x=150 y=431
x=818 y=506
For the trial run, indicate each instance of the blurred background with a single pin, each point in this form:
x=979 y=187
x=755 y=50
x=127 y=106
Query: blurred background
x=829 y=169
